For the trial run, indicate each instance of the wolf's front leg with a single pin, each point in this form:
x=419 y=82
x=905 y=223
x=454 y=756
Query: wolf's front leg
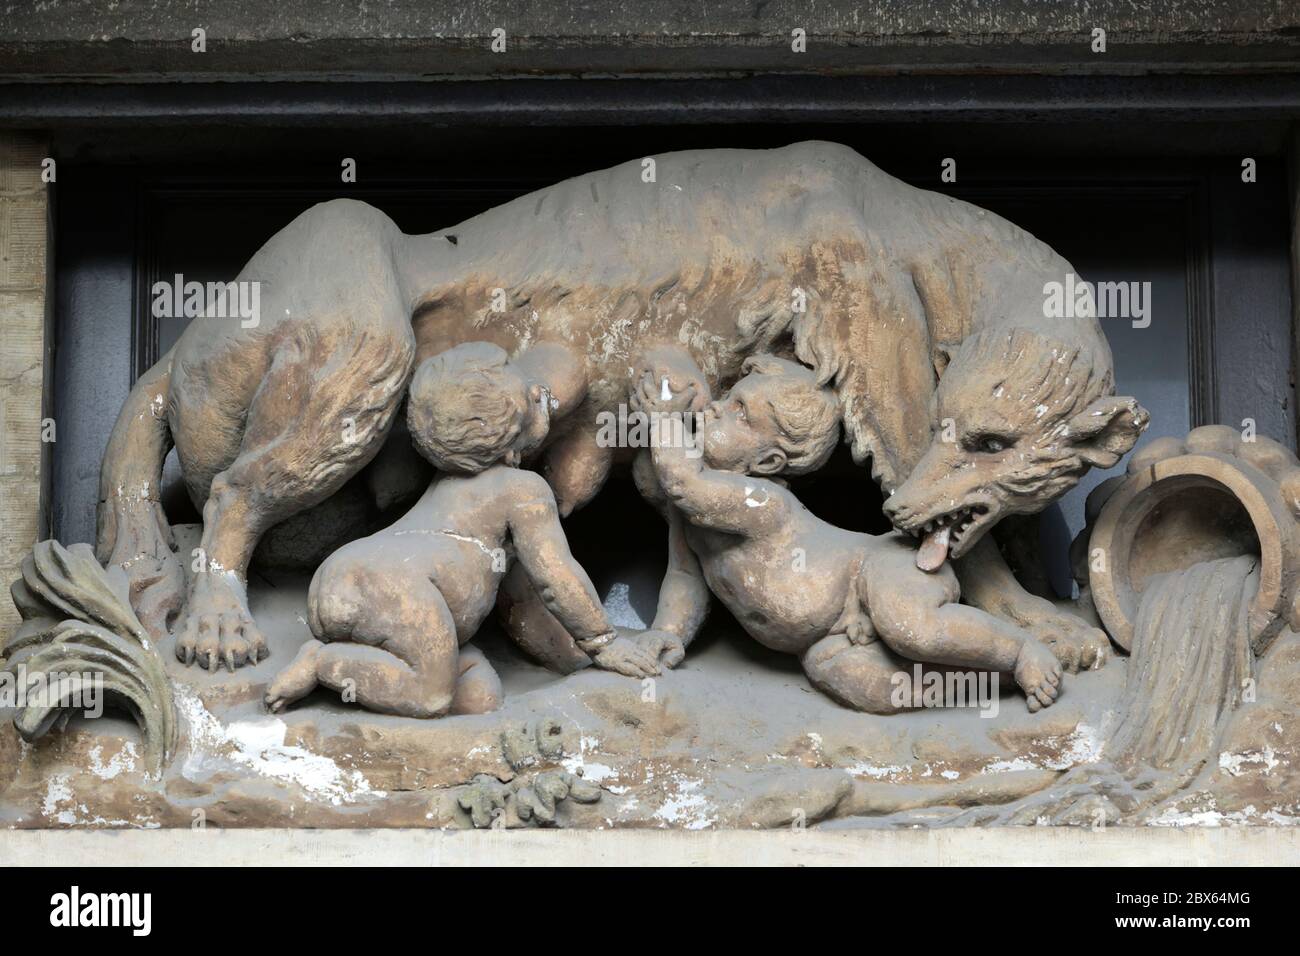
x=987 y=583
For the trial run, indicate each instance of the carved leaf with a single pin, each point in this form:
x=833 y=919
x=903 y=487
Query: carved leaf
x=79 y=625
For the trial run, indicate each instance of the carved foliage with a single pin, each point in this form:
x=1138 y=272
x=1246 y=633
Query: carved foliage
x=78 y=621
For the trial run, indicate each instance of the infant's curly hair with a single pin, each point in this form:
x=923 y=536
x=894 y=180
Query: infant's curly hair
x=806 y=414
x=464 y=410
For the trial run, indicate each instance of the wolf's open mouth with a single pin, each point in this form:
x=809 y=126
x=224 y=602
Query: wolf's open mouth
x=947 y=533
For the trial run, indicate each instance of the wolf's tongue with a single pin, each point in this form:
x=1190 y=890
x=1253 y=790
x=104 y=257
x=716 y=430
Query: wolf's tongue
x=934 y=550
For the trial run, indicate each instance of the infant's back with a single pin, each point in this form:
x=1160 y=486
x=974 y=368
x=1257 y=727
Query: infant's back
x=456 y=536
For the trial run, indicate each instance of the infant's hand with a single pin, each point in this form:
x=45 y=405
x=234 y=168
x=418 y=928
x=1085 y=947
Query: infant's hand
x=672 y=366
x=666 y=646
x=627 y=658
x=654 y=394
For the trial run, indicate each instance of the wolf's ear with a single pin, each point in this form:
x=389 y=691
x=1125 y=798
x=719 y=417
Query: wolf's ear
x=1104 y=432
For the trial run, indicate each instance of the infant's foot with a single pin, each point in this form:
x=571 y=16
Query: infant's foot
x=478 y=689
x=218 y=627
x=295 y=681
x=1038 y=673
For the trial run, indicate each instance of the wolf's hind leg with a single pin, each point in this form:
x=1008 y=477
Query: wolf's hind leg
x=321 y=412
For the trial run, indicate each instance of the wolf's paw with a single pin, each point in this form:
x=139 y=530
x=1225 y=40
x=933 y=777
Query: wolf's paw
x=218 y=627
x=155 y=578
x=1077 y=644
x=158 y=592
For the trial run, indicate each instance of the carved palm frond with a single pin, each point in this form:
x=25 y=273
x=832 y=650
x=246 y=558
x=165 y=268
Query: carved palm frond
x=78 y=621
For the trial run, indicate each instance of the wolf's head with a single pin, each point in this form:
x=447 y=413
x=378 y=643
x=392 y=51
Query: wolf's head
x=1016 y=421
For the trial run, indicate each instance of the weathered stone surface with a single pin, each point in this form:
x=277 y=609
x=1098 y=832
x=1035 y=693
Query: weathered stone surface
x=414 y=38
x=23 y=257
x=699 y=755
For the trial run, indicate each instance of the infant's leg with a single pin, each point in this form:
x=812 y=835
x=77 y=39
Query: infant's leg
x=478 y=689
x=397 y=650
x=917 y=614
x=861 y=676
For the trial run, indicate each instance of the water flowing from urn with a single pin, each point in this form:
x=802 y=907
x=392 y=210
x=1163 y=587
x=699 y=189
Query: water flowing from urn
x=1190 y=664
x=1190 y=661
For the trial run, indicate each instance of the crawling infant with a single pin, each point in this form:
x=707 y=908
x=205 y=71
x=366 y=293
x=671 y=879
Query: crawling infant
x=391 y=614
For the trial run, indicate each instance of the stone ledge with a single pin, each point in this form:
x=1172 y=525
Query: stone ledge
x=422 y=38
x=1028 y=846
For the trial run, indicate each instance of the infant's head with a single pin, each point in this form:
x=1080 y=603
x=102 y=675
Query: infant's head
x=469 y=408
x=776 y=420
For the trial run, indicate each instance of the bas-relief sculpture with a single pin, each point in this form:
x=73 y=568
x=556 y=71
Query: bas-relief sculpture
x=762 y=301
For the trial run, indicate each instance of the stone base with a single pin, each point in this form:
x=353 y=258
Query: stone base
x=1021 y=846
x=734 y=738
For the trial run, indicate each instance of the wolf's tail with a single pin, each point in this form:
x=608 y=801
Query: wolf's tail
x=130 y=510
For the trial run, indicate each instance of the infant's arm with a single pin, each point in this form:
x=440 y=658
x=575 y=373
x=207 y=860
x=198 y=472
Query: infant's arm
x=720 y=500
x=543 y=550
x=683 y=595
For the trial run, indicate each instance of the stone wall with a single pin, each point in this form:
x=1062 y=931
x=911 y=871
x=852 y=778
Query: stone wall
x=24 y=275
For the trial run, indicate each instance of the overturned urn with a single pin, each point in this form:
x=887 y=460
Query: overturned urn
x=1211 y=496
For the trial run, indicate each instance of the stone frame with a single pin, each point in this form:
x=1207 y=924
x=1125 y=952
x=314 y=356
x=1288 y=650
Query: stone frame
x=1270 y=100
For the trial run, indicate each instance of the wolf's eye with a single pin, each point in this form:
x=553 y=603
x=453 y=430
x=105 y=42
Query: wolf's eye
x=988 y=444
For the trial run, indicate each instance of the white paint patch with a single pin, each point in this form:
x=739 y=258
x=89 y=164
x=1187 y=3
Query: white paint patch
x=1237 y=764
x=259 y=745
x=124 y=759
x=1082 y=746
x=597 y=773
x=874 y=772
x=687 y=807
x=1172 y=817
x=1010 y=766
x=57 y=791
